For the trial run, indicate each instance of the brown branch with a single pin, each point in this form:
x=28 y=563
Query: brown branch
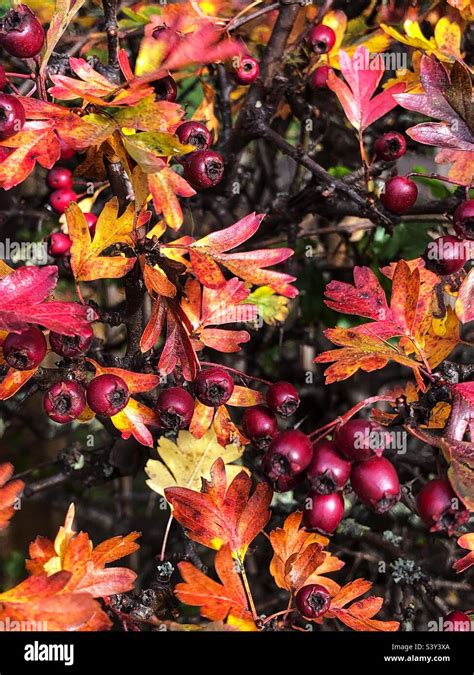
x=111 y=27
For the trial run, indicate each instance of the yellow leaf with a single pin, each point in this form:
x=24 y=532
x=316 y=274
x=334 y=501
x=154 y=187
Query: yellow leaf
x=444 y=45
x=184 y=463
x=205 y=110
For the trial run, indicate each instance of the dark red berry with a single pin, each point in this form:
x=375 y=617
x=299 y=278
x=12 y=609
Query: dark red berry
x=323 y=512
x=288 y=455
x=322 y=38
x=360 y=439
x=64 y=401
x=194 y=133
x=204 y=168
x=3 y=78
x=67 y=151
x=167 y=38
x=248 y=70
x=166 y=89
x=25 y=350
x=319 y=78
x=282 y=398
x=286 y=483
x=446 y=255
x=60 y=199
x=59 y=178
x=107 y=395
x=70 y=346
x=390 y=146
x=463 y=219
x=399 y=194
x=91 y=220
x=457 y=622
x=12 y=116
x=440 y=507
x=312 y=601
x=213 y=386
x=259 y=424
x=175 y=408
x=328 y=471
x=59 y=244
x=21 y=34
x=376 y=483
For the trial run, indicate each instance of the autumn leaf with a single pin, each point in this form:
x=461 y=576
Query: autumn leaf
x=438 y=415
x=462 y=161
x=9 y=493
x=137 y=383
x=445 y=43
x=357 y=98
x=224 y=601
x=205 y=111
x=299 y=557
x=189 y=460
x=36 y=142
x=272 y=308
x=13 y=381
x=86 y=262
x=64 y=13
x=218 y=515
x=24 y=300
x=134 y=420
x=465 y=541
x=165 y=186
x=464 y=306
x=359 y=615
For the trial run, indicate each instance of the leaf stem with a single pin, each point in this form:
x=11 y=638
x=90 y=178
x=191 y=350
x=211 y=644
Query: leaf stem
x=248 y=592
x=165 y=538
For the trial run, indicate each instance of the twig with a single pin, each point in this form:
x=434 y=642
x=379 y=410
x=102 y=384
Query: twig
x=111 y=27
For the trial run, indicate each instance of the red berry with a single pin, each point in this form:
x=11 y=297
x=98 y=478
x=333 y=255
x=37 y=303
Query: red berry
x=91 y=220
x=446 y=255
x=248 y=70
x=166 y=89
x=107 y=395
x=440 y=507
x=3 y=78
x=457 y=622
x=323 y=512
x=360 y=439
x=319 y=78
x=12 y=116
x=259 y=424
x=25 y=350
x=71 y=345
x=204 y=168
x=59 y=177
x=64 y=401
x=390 y=146
x=167 y=38
x=282 y=398
x=463 y=219
x=59 y=244
x=312 y=601
x=21 y=34
x=175 y=408
x=399 y=194
x=213 y=387
x=376 y=483
x=328 y=471
x=322 y=38
x=60 y=199
x=67 y=151
x=194 y=133
x=288 y=455
x=286 y=483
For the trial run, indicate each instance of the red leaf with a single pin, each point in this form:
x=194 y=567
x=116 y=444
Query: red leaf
x=9 y=493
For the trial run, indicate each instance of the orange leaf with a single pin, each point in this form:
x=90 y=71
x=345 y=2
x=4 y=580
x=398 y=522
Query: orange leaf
x=136 y=382
x=245 y=397
x=9 y=492
x=358 y=616
x=466 y=541
x=13 y=381
x=134 y=419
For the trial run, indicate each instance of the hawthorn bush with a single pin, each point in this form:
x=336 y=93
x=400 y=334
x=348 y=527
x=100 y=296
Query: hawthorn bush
x=235 y=306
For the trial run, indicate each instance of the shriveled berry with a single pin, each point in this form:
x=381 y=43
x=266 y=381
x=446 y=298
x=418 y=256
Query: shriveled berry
x=21 y=34
x=457 y=622
x=12 y=116
x=166 y=89
x=213 y=386
x=376 y=483
x=360 y=439
x=286 y=483
x=59 y=244
x=288 y=455
x=259 y=424
x=319 y=77
x=312 y=601
x=390 y=146
x=248 y=70
x=321 y=38
x=439 y=506
x=194 y=133
x=70 y=346
x=282 y=398
x=463 y=219
x=25 y=350
x=323 y=512
x=399 y=195
x=59 y=177
x=64 y=401
x=107 y=395
x=328 y=471
x=446 y=255
x=204 y=168
x=60 y=199
x=175 y=408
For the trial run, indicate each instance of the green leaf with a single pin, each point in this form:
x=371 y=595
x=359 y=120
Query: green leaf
x=148 y=148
